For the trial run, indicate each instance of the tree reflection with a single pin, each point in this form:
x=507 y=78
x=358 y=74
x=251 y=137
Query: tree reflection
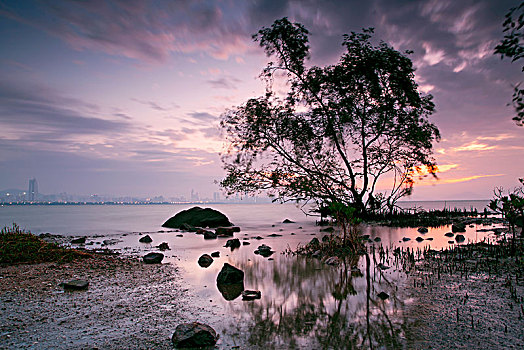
x=307 y=304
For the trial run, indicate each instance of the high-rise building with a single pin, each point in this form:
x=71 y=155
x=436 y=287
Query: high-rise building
x=33 y=190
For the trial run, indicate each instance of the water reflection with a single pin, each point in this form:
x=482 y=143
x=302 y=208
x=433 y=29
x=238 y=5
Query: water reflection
x=306 y=303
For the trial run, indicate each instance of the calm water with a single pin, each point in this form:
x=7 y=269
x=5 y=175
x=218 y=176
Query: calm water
x=305 y=303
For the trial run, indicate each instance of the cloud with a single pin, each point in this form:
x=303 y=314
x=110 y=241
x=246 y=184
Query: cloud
x=137 y=29
x=226 y=82
x=465 y=179
x=156 y=106
x=474 y=146
x=30 y=110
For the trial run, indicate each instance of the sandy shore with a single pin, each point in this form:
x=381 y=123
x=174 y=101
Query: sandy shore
x=128 y=305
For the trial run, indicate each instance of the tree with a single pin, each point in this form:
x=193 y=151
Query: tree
x=512 y=46
x=338 y=129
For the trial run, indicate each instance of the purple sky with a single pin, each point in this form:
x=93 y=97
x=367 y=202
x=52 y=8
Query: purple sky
x=123 y=97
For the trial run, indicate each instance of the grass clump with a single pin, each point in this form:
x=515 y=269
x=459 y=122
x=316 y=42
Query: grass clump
x=19 y=246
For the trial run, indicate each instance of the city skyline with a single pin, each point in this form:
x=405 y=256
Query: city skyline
x=125 y=97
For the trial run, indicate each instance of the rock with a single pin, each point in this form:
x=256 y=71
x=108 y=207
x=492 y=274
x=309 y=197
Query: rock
x=334 y=260
x=231 y=291
x=314 y=242
x=449 y=234
x=419 y=239
x=245 y=243
x=180 y=235
x=383 y=295
x=264 y=251
x=205 y=260
x=230 y=275
x=458 y=227
x=110 y=241
x=153 y=258
x=225 y=231
x=196 y=216
x=377 y=239
x=163 y=246
x=146 y=239
x=210 y=235
x=451 y=242
x=422 y=230
x=274 y=235
x=215 y=254
x=287 y=221
x=293 y=233
x=75 y=285
x=364 y=237
x=429 y=239
x=232 y=243
x=258 y=237
x=382 y=266
x=80 y=240
x=325 y=238
x=251 y=295
x=406 y=239
x=327 y=229
x=201 y=231
x=194 y=335
x=460 y=238
x=187 y=227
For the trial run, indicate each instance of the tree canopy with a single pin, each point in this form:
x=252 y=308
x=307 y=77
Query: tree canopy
x=336 y=131
x=512 y=46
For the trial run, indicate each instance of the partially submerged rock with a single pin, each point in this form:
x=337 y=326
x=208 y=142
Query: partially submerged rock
x=287 y=221
x=215 y=254
x=210 y=235
x=449 y=234
x=232 y=243
x=226 y=231
x=75 y=285
x=230 y=275
x=274 y=235
x=153 y=258
x=80 y=240
x=383 y=295
x=163 y=246
x=264 y=251
x=419 y=239
x=458 y=227
x=406 y=239
x=200 y=217
x=422 y=230
x=205 y=260
x=194 y=335
x=146 y=239
x=460 y=238
x=251 y=294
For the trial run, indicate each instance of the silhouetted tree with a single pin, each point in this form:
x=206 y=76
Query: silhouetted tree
x=512 y=46
x=337 y=131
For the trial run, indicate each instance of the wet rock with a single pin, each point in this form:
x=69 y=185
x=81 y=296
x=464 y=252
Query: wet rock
x=258 y=237
x=377 y=239
x=274 y=235
x=196 y=216
x=419 y=239
x=293 y=233
x=251 y=294
x=460 y=238
x=451 y=242
x=194 y=335
x=327 y=229
x=201 y=231
x=226 y=231
x=80 y=240
x=210 y=235
x=231 y=291
x=163 y=246
x=180 y=235
x=145 y=239
x=215 y=254
x=422 y=230
x=406 y=239
x=75 y=285
x=429 y=239
x=230 y=275
x=458 y=227
x=245 y=243
x=383 y=295
x=110 y=241
x=449 y=234
x=333 y=260
x=232 y=243
x=287 y=221
x=205 y=260
x=300 y=227
x=153 y=258
x=264 y=251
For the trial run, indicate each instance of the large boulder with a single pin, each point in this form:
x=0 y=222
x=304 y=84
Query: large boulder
x=194 y=335
x=230 y=275
x=199 y=217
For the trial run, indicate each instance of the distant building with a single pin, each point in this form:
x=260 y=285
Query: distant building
x=216 y=196
x=32 y=193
